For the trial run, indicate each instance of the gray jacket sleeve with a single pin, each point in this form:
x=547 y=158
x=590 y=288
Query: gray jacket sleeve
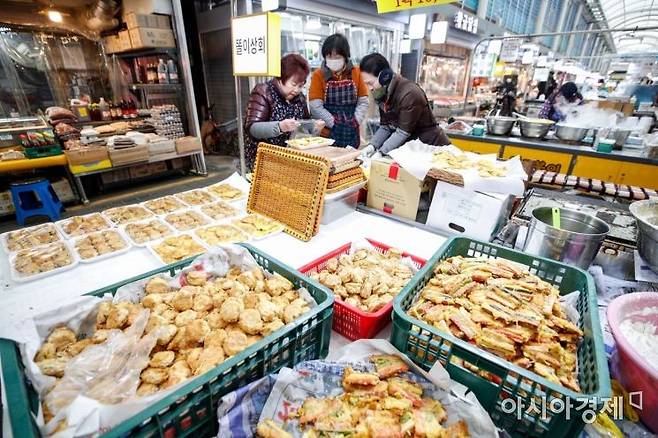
x=262 y=130
x=361 y=109
x=318 y=111
x=397 y=139
x=382 y=134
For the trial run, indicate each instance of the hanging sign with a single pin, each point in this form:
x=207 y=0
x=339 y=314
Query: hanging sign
x=541 y=74
x=256 y=45
x=510 y=50
x=465 y=22
x=384 y=6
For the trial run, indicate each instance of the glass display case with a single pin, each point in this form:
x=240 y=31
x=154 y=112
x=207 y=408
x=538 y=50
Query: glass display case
x=442 y=77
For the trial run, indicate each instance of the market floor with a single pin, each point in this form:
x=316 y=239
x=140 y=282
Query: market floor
x=218 y=167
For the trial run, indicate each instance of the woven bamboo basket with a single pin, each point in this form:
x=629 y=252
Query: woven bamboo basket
x=289 y=186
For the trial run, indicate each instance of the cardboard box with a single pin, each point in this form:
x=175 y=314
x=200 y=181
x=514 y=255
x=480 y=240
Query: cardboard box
x=111 y=44
x=147 y=7
x=144 y=37
x=624 y=107
x=135 y=154
x=124 y=41
x=144 y=170
x=188 y=144
x=115 y=176
x=393 y=190
x=90 y=167
x=87 y=155
x=457 y=210
x=6 y=203
x=154 y=21
x=180 y=163
x=63 y=190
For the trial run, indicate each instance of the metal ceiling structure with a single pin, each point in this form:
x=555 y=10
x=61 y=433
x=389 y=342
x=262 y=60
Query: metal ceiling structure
x=631 y=13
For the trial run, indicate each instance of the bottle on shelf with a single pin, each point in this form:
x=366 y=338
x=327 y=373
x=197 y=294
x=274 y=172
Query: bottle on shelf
x=163 y=76
x=152 y=74
x=173 y=71
x=104 y=109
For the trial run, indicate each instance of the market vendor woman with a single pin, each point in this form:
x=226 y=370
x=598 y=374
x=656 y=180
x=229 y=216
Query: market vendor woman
x=338 y=94
x=557 y=105
x=404 y=111
x=276 y=107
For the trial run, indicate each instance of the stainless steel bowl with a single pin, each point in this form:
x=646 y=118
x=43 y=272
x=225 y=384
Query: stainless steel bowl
x=498 y=125
x=570 y=133
x=533 y=129
x=576 y=242
x=646 y=214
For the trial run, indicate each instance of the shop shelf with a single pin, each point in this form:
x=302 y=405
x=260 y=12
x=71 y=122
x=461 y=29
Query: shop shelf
x=494 y=380
x=349 y=321
x=192 y=409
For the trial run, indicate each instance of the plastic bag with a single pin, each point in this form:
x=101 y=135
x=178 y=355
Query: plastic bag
x=107 y=372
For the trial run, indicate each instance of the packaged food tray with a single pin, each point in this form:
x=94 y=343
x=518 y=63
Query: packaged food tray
x=350 y=321
x=192 y=409
x=510 y=386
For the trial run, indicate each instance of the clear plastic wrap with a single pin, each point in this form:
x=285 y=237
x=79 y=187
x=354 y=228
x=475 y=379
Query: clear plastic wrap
x=107 y=372
x=31 y=237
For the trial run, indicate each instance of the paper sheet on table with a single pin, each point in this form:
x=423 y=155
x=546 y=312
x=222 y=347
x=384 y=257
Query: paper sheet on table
x=85 y=415
x=323 y=379
x=416 y=158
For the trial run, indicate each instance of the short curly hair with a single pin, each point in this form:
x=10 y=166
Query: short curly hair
x=294 y=66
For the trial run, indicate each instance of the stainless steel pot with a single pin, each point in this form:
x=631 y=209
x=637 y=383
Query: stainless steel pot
x=533 y=129
x=576 y=242
x=646 y=215
x=570 y=133
x=498 y=125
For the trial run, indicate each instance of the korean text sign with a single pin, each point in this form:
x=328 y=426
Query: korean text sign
x=256 y=45
x=384 y=6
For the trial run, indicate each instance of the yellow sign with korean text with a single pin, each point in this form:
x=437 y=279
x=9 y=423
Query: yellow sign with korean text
x=256 y=45
x=384 y=6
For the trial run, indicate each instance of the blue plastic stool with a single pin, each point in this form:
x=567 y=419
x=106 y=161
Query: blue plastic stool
x=35 y=198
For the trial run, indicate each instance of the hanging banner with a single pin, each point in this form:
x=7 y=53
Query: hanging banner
x=384 y=6
x=256 y=45
x=510 y=50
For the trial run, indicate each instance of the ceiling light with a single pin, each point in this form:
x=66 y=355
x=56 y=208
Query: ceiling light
x=439 y=32
x=54 y=16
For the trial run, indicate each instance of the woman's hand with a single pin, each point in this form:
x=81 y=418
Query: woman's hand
x=288 y=125
x=319 y=124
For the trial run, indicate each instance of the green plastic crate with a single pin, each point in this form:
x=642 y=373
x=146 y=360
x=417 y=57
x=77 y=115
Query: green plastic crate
x=192 y=410
x=43 y=151
x=425 y=345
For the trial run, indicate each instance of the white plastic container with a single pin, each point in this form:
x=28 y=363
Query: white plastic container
x=339 y=204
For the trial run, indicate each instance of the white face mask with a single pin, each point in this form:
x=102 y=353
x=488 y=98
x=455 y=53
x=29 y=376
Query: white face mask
x=335 y=64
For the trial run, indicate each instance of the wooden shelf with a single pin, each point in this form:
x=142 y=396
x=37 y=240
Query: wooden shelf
x=171 y=51
x=154 y=86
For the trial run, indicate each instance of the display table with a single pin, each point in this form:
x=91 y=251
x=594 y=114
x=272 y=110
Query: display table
x=20 y=301
x=35 y=163
x=628 y=166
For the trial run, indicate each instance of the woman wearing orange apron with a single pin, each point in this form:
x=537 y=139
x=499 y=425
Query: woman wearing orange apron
x=337 y=94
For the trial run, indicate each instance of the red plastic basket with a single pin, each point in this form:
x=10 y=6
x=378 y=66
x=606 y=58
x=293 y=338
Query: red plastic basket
x=349 y=321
